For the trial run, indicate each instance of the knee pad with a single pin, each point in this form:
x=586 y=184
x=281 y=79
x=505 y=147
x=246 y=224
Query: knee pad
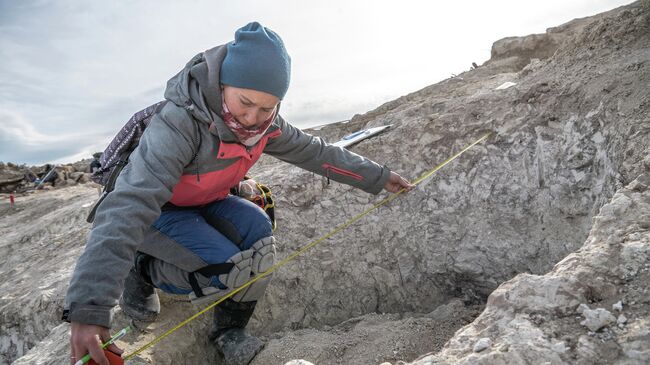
x=247 y=265
x=263 y=259
x=236 y=276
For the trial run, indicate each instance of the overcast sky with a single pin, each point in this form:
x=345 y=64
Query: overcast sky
x=73 y=72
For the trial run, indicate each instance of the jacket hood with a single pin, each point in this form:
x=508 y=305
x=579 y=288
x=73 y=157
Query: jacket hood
x=197 y=89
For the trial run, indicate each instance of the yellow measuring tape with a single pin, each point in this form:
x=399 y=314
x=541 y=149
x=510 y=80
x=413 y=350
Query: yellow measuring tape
x=302 y=250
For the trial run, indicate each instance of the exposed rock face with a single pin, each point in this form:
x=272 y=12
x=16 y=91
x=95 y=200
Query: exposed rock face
x=537 y=319
x=519 y=51
x=571 y=132
x=41 y=240
x=10 y=177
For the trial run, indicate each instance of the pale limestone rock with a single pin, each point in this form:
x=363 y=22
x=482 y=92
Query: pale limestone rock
x=559 y=347
x=299 y=362
x=482 y=344
x=597 y=318
x=506 y=316
x=582 y=308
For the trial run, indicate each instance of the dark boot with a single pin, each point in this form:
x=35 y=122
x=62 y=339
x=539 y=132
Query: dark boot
x=139 y=299
x=237 y=346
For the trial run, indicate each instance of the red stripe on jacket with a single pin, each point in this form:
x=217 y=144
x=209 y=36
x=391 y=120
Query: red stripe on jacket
x=340 y=171
x=216 y=185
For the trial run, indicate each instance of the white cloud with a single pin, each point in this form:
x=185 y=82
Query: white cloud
x=19 y=137
x=15 y=127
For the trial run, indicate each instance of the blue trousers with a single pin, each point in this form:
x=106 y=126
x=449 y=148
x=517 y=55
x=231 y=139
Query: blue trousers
x=214 y=232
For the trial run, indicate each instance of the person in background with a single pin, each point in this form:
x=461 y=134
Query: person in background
x=95 y=165
x=171 y=224
x=30 y=176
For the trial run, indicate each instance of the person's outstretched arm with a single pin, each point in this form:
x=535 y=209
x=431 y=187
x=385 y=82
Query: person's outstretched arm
x=313 y=154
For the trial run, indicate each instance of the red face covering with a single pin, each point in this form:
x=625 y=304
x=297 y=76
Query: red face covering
x=246 y=136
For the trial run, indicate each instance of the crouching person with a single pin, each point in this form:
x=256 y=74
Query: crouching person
x=168 y=221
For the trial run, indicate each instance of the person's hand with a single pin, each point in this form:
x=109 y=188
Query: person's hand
x=396 y=183
x=88 y=338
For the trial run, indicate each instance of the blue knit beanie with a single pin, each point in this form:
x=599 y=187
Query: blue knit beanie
x=257 y=60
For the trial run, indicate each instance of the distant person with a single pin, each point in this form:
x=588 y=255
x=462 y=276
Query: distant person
x=95 y=165
x=49 y=176
x=30 y=176
x=221 y=114
x=46 y=169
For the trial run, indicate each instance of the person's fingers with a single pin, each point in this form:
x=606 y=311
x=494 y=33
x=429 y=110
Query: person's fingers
x=72 y=357
x=113 y=348
x=78 y=351
x=407 y=185
x=396 y=183
x=96 y=352
x=403 y=183
x=105 y=337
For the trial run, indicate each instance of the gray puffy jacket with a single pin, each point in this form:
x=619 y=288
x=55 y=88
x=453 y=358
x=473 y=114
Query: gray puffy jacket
x=163 y=168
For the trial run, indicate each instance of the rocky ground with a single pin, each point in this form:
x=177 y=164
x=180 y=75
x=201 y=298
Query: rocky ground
x=547 y=222
x=592 y=308
x=23 y=179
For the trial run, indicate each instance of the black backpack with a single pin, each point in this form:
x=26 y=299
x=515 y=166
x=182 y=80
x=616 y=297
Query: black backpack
x=116 y=155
